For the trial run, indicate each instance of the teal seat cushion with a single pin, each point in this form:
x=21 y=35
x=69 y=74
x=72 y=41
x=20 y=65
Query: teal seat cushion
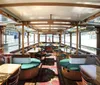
x=74 y=67
x=29 y=66
x=64 y=62
x=34 y=60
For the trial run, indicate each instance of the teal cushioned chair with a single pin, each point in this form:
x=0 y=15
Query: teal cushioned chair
x=65 y=63
x=34 y=60
x=30 y=70
x=29 y=66
x=34 y=63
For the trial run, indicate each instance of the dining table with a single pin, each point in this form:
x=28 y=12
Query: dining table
x=6 y=71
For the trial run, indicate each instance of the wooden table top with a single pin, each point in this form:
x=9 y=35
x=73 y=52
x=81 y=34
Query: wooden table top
x=6 y=70
x=55 y=44
x=34 y=50
x=93 y=72
x=9 y=68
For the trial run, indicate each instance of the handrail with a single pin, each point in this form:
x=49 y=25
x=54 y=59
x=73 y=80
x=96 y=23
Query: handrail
x=24 y=48
x=17 y=44
x=85 y=46
x=89 y=47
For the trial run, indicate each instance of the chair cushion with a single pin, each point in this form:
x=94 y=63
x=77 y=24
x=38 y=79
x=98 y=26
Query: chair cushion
x=34 y=60
x=64 y=62
x=74 y=67
x=29 y=66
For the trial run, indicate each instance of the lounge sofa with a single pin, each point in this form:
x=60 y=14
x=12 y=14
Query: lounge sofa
x=29 y=67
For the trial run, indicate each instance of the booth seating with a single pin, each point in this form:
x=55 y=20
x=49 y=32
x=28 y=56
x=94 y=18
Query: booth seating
x=70 y=67
x=29 y=67
x=29 y=70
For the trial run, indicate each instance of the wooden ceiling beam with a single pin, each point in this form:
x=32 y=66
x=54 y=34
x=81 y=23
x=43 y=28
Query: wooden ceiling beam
x=53 y=30
x=48 y=24
x=92 y=17
x=56 y=24
x=30 y=24
x=53 y=20
x=39 y=27
x=50 y=4
x=8 y=16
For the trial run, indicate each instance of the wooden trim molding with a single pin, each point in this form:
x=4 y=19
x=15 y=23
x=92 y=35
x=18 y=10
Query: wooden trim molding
x=50 y=4
x=23 y=38
x=53 y=20
x=8 y=15
x=92 y=17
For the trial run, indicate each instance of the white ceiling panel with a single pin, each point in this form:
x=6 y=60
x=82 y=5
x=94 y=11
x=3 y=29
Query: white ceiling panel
x=43 y=12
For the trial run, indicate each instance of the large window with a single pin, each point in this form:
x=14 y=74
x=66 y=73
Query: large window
x=42 y=38
x=67 y=39
x=36 y=38
x=49 y=37
x=88 y=40
x=62 y=38
x=31 y=39
x=56 y=38
x=73 y=39
x=10 y=40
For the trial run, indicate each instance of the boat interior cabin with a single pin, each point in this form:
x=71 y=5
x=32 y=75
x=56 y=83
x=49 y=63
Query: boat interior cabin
x=49 y=42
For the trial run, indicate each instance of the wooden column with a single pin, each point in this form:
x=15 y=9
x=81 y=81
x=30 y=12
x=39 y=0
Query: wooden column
x=80 y=40
x=60 y=38
x=70 y=40
x=77 y=40
x=1 y=39
x=19 y=40
x=98 y=40
x=23 y=38
x=34 y=37
x=27 y=38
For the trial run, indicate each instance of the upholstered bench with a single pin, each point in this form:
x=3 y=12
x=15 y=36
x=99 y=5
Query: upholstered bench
x=71 y=71
x=28 y=71
x=70 y=67
x=29 y=67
